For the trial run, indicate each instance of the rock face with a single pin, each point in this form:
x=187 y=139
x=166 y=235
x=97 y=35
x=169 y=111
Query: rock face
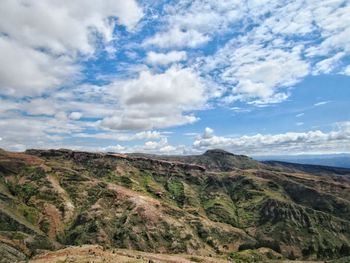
x=215 y=203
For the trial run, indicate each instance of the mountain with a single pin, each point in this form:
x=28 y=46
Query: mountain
x=216 y=206
x=334 y=160
x=213 y=160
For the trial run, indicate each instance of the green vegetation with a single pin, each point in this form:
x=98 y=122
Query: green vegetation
x=30 y=213
x=23 y=191
x=221 y=208
x=176 y=190
x=234 y=207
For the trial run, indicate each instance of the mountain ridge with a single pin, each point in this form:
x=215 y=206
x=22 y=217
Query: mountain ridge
x=217 y=204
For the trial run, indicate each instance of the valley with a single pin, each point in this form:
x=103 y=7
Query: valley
x=212 y=207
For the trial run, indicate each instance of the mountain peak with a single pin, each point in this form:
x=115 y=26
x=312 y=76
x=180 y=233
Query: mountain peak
x=217 y=152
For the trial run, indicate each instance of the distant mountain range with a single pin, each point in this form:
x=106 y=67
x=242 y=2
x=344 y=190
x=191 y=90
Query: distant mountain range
x=336 y=160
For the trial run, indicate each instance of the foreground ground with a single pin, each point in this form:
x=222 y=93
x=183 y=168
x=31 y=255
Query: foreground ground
x=96 y=254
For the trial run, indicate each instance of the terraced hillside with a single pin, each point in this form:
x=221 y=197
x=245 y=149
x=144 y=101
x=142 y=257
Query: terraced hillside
x=215 y=205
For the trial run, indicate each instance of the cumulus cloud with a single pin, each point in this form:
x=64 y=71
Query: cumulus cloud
x=337 y=140
x=347 y=71
x=156 y=100
x=40 y=41
x=161 y=146
x=65 y=26
x=164 y=59
x=148 y=101
x=25 y=71
x=113 y=148
x=75 y=115
x=208 y=133
x=20 y=133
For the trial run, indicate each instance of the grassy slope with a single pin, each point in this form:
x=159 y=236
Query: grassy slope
x=76 y=198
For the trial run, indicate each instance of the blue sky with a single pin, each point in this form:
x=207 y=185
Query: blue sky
x=176 y=77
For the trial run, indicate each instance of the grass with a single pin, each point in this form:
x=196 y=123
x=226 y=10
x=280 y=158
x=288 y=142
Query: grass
x=24 y=191
x=150 y=185
x=221 y=208
x=30 y=213
x=177 y=191
x=17 y=235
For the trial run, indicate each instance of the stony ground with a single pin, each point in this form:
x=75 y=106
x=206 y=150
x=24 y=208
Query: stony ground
x=96 y=254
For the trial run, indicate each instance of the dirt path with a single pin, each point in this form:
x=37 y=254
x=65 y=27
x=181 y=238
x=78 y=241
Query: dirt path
x=69 y=207
x=52 y=212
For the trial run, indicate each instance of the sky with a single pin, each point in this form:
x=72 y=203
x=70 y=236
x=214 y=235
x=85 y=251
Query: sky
x=252 y=77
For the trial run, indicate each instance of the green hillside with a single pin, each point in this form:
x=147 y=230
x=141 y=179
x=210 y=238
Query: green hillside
x=216 y=204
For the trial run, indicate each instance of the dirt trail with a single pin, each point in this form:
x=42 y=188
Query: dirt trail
x=52 y=212
x=69 y=207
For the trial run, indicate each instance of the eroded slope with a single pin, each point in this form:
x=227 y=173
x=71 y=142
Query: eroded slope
x=208 y=206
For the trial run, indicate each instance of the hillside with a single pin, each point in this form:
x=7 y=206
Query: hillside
x=310 y=168
x=333 y=160
x=215 y=205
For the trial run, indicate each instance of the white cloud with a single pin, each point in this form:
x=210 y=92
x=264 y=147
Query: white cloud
x=180 y=87
x=6 y=106
x=161 y=146
x=20 y=132
x=65 y=26
x=153 y=145
x=194 y=23
x=150 y=100
x=40 y=41
x=333 y=21
x=26 y=71
x=144 y=135
x=156 y=100
x=208 y=133
x=322 y=103
x=261 y=50
x=75 y=115
x=39 y=106
x=327 y=65
x=347 y=71
x=274 y=49
x=164 y=59
x=255 y=71
x=337 y=140
x=113 y=148
x=176 y=37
